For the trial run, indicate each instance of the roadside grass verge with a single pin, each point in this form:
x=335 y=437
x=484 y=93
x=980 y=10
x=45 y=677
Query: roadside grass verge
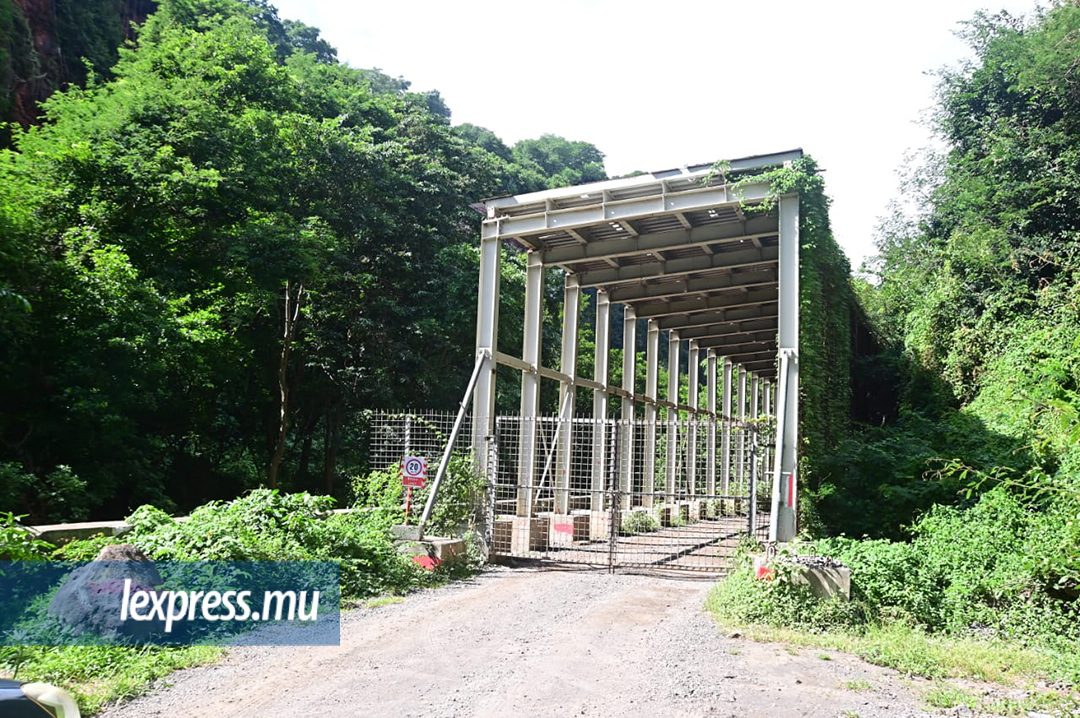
x=98 y=676
x=260 y=526
x=998 y=677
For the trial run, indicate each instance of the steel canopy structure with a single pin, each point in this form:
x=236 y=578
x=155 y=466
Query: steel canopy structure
x=676 y=248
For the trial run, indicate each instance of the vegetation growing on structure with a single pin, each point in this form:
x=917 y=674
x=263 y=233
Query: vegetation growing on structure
x=828 y=310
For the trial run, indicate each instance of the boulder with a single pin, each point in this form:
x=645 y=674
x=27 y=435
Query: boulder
x=90 y=600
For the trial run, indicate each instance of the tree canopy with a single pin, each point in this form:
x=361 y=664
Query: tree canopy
x=215 y=260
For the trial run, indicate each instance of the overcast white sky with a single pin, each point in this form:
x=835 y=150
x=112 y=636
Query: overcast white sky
x=656 y=85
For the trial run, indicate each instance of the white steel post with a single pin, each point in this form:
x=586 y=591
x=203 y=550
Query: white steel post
x=530 y=381
x=673 y=413
x=766 y=393
x=710 y=406
x=755 y=450
x=600 y=398
x=652 y=360
x=568 y=366
x=487 y=338
x=629 y=368
x=693 y=369
x=782 y=524
x=725 y=433
x=740 y=466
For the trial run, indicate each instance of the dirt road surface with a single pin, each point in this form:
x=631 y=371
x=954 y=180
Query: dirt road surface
x=529 y=642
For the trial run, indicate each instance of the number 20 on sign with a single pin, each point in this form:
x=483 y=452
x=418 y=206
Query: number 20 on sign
x=413 y=475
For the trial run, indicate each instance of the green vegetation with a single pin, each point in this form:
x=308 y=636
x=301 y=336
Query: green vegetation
x=263 y=525
x=965 y=489
x=638 y=522
x=216 y=257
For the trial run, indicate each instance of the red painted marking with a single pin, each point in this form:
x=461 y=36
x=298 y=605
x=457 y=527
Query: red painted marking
x=428 y=562
x=416 y=482
x=765 y=573
x=564 y=528
x=791 y=491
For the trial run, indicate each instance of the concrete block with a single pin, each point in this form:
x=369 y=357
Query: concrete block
x=434 y=551
x=528 y=534
x=824 y=581
x=568 y=528
x=599 y=524
x=502 y=530
x=667 y=514
x=402 y=532
x=697 y=510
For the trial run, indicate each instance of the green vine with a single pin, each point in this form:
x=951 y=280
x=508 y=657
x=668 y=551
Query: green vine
x=828 y=308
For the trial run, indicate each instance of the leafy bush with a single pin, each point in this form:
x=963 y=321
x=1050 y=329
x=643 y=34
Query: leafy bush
x=269 y=526
x=18 y=543
x=1000 y=568
x=59 y=495
x=638 y=522
x=457 y=507
x=744 y=598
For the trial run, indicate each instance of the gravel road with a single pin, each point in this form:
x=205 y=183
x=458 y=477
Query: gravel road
x=532 y=642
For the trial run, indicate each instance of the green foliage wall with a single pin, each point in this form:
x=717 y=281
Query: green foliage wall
x=828 y=309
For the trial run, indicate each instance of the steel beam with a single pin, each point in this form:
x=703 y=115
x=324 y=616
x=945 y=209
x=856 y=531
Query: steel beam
x=530 y=380
x=749 y=257
x=740 y=466
x=600 y=398
x=487 y=339
x=764 y=338
x=728 y=329
x=746 y=231
x=670 y=463
x=568 y=366
x=730 y=316
x=629 y=369
x=690 y=284
x=545 y=221
x=751 y=298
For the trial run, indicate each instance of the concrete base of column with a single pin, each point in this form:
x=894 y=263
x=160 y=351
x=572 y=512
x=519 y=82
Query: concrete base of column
x=519 y=535
x=569 y=528
x=599 y=524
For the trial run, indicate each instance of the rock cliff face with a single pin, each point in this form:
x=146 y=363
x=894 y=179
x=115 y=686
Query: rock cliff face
x=44 y=40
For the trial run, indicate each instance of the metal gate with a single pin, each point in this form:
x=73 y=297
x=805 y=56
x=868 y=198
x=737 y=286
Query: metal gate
x=628 y=494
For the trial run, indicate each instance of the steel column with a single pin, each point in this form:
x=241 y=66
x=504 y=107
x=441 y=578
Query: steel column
x=740 y=466
x=782 y=525
x=710 y=406
x=725 y=433
x=629 y=369
x=652 y=360
x=672 y=414
x=530 y=380
x=568 y=366
x=600 y=397
x=693 y=370
x=487 y=339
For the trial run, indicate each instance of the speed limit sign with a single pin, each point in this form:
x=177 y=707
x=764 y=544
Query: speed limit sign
x=414 y=471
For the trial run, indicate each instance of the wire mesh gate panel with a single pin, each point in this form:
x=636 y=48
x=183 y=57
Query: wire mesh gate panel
x=671 y=494
x=635 y=494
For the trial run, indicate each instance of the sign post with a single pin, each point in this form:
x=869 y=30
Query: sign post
x=413 y=475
